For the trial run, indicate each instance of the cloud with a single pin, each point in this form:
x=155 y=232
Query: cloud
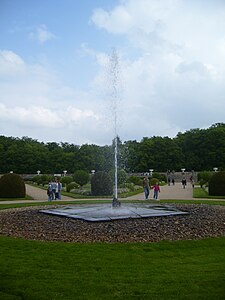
x=172 y=73
x=178 y=70
x=10 y=63
x=32 y=116
x=37 y=102
x=42 y=34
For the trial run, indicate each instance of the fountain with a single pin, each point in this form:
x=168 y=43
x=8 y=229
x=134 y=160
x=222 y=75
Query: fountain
x=107 y=212
x=115 y=96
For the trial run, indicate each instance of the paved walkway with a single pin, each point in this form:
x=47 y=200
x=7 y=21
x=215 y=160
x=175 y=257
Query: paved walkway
x=167 y=192
x=170 y=192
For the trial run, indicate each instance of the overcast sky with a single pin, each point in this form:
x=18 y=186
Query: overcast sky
x=54 y=83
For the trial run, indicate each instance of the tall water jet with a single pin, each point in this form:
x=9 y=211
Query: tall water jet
x=115 y=96
x=106 y=212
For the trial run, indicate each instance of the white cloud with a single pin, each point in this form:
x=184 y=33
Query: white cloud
x=10 y=63
x=37 y=102
x=172 y=75
x=179 y=69
x=32 y=116
x=42 y=34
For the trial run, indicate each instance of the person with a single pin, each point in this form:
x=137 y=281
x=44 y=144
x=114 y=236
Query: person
x=184 y=182
x=53 y=189
x=58 y=190
x=146 y=187
x=156 y=189
x=169 y=180
x=173 y=181
x=49 y=191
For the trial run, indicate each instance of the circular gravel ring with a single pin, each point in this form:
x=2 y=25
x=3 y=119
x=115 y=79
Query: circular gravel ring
x=203 y=221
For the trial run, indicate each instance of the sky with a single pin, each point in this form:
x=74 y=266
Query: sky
x=57 y=58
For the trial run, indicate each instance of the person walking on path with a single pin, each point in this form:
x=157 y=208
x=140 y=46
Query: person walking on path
x=146 y=187
x=156 y=189
x=58 y=190
x=49 y=192
x=184 y=182
x=54 y=185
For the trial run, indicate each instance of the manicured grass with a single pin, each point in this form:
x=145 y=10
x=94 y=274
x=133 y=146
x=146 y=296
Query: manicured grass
x=202 y=193
x=14 y=199
x=18 y=205
x=165 y=270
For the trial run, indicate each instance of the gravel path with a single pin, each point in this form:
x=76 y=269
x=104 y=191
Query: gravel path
x=201 y=222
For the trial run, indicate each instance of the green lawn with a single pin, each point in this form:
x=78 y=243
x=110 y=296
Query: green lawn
x=165 y=270
x=199 y=192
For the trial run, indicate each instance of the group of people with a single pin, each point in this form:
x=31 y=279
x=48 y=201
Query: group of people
x=147 y=187
x=54 y=190
x=169 y=180
x=156 y=187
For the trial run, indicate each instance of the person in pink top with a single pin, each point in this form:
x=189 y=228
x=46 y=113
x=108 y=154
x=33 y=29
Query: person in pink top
x=156 y=189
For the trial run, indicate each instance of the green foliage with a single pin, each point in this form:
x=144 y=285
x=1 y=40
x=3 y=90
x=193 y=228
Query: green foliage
x=196 y=149
x=65 y=180
x=121 y=176
x=153 y=181
x=81 y=177
x=42 y=179
x=101 y=184
x=205 y=176
x=72 y=185
x=12 y=186
x=217 y=184
x=136 y=180
x=160 y=177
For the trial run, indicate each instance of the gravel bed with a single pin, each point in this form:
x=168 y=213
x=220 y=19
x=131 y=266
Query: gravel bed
x=201 y=222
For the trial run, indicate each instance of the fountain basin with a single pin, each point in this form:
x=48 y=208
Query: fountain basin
x=105 y=212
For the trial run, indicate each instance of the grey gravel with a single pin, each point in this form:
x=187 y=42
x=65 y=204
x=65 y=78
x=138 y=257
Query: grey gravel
x=202 y=221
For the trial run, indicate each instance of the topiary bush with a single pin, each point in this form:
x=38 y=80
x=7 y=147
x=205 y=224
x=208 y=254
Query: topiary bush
x=71 y=186
x=12 y=186
x=217 y=184
x=153 y=181
x=101 y=184
x=204 y=176
x=81 y=177
x=135 y=180
x=121 y=176
x=66 y=180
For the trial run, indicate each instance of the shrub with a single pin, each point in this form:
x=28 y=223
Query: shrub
x=66 y=180
x=202 y=182
x=81 y=177
x=101 y=184
x=72 y=185
x=205 y=176
x=121 y=176
x=12 y=186
x=42 y=179
x=153 y=181
x=160 y=177
x=217 y=184
x=135 y=180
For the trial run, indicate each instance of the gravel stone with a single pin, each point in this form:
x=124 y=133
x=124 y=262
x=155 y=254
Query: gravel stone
x=202 y=221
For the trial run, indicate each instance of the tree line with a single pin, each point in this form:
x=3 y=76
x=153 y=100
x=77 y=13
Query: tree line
x=195 y=149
